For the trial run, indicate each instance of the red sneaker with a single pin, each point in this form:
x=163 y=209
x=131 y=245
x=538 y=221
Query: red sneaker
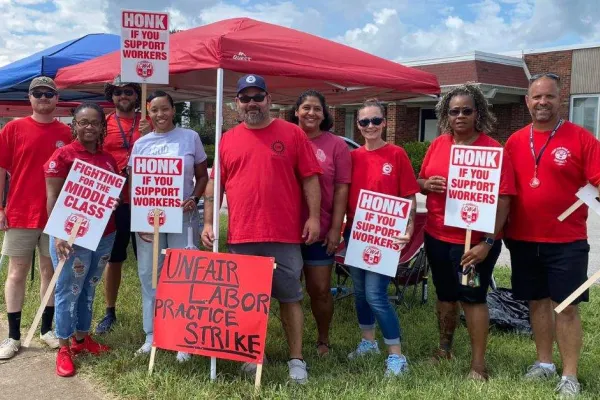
x=89 y=346
x=64 y=362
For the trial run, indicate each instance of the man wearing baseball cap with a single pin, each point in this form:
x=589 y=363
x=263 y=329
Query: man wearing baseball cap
x=267 y=167
x=26 y=145
x=123 y=128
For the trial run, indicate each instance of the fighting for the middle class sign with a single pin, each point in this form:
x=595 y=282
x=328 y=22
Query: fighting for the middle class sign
x=378 y=220
x=472 y=187
x=157 y=183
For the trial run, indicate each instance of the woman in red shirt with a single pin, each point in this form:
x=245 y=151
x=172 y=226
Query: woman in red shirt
x=464 y=119
x=384 y=168
x=83 y=268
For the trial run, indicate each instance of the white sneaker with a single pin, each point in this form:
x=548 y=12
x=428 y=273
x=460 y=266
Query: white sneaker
x=8 y=348
x=183 y=357
x=145 y=349
x=298 y=371
x=50 y=339
x=250 y=368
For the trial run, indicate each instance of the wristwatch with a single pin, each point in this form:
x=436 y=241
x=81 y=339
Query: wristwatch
x=489 y=241
x=196 y=199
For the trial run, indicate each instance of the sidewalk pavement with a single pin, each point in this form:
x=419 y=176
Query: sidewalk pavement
x=30 y=375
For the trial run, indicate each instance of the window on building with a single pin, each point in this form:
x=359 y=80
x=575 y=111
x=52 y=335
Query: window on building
x=349 y=124
x=428 y=130
x=585 y=111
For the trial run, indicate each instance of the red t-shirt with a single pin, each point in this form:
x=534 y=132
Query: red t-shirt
x=570 y=161
x=115 y=144
x=437 y=163
x=25 y=145
x=386 y=170
x=59 y=165
x=333 y=155
x=262 y=172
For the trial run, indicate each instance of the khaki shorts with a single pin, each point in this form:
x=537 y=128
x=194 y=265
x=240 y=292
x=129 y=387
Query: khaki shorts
x=22 y=242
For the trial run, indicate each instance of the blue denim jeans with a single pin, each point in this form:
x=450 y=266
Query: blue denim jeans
x=144 y=254
x=76 y=286
x=372 y=302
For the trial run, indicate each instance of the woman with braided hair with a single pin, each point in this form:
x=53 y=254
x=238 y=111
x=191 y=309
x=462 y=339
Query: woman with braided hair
x=83 y=268
x=464 y=119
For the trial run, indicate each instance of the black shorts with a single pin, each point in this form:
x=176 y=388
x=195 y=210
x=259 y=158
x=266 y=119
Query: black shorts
x=548 y=270
x=444 y=261
x=124 y=234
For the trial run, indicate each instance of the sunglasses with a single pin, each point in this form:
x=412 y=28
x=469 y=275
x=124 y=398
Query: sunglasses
x=544 y=75
x=84 y=123
x=258 y=98
x=366 y=121
x=455 y=112
x=49 y=94
x=128 y=92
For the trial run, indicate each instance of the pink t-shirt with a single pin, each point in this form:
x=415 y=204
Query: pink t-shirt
x=333 y=155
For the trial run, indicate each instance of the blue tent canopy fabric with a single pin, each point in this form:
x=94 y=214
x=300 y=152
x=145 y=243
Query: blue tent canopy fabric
x=15 y=77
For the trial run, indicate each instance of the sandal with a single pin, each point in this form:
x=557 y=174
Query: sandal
x=478 y=375
x=323 y=344
x=441 y=354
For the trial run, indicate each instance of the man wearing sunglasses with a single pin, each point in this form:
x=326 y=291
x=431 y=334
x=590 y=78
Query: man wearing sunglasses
x=123 y=128
x=267 y=167
x=552 y=159
x=26 y=145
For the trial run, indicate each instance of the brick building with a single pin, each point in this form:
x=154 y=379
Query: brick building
x=503 y=79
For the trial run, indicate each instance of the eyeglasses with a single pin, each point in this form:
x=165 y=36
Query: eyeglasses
x=49 y=94
x=84 y=123
x=366 y=121
x=128 y=92
x=258 y=98
x=455 y=112
x=544 y=75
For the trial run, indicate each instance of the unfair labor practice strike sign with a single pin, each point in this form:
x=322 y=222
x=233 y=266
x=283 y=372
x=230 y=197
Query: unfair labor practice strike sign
x=472 y=187
x=144 y=47
x=156 y=183
x=213 y=304
x=89 y=193
x=378 y=219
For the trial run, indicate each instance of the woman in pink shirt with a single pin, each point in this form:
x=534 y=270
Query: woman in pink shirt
x=312 y=115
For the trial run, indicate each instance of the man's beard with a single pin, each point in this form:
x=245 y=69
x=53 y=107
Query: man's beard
x=128 y=108
x=254 y=118
x=45 y=108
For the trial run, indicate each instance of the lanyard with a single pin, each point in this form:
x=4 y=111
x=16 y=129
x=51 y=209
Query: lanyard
x=125 y=141
x=537 y=159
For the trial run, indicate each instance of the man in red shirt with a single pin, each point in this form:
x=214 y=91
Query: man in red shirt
x=552 y=159
x=123 y=128
x=26 y=145
x=266 y=165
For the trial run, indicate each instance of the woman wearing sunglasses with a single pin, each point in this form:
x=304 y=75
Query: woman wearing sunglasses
x=385 y=168
x=83 y=268
x=168 y=140
x=312 y=115
x=464 y=119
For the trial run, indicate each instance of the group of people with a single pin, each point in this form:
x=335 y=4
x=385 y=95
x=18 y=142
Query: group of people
x=289 y=186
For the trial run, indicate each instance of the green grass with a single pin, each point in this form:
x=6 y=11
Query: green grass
x=332 y=377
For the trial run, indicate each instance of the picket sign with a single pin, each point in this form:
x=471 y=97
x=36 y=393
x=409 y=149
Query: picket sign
x=214 y=305
x=465 y=278
x=50 y=289
x=587 y=195
x=577 y=292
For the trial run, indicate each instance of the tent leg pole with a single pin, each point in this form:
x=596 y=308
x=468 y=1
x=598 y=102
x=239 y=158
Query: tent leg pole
x=217 y=191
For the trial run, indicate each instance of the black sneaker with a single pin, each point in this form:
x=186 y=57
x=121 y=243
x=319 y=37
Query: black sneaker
x=106 y=325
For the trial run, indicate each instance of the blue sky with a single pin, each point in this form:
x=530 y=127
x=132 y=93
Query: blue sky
x=394 y=29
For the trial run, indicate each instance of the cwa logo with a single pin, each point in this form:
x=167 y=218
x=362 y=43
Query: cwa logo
x=469 y=213
x=371 y=255
x=242 y=57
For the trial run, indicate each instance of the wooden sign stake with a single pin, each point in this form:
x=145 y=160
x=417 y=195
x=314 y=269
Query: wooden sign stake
x=143 y=101
x=577 y=293
x=259 y=368
x=570 y=210
x=465 y=279
x=51 y=286
x=155 y=249
x=151 y=364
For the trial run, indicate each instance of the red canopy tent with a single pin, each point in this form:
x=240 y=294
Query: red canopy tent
x=291 y=61
x=17 y=108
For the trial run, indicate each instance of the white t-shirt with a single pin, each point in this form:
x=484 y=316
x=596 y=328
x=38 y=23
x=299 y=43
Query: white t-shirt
x=178 y=142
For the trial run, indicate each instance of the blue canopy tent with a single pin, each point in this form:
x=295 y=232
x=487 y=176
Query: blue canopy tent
x=15 y=77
